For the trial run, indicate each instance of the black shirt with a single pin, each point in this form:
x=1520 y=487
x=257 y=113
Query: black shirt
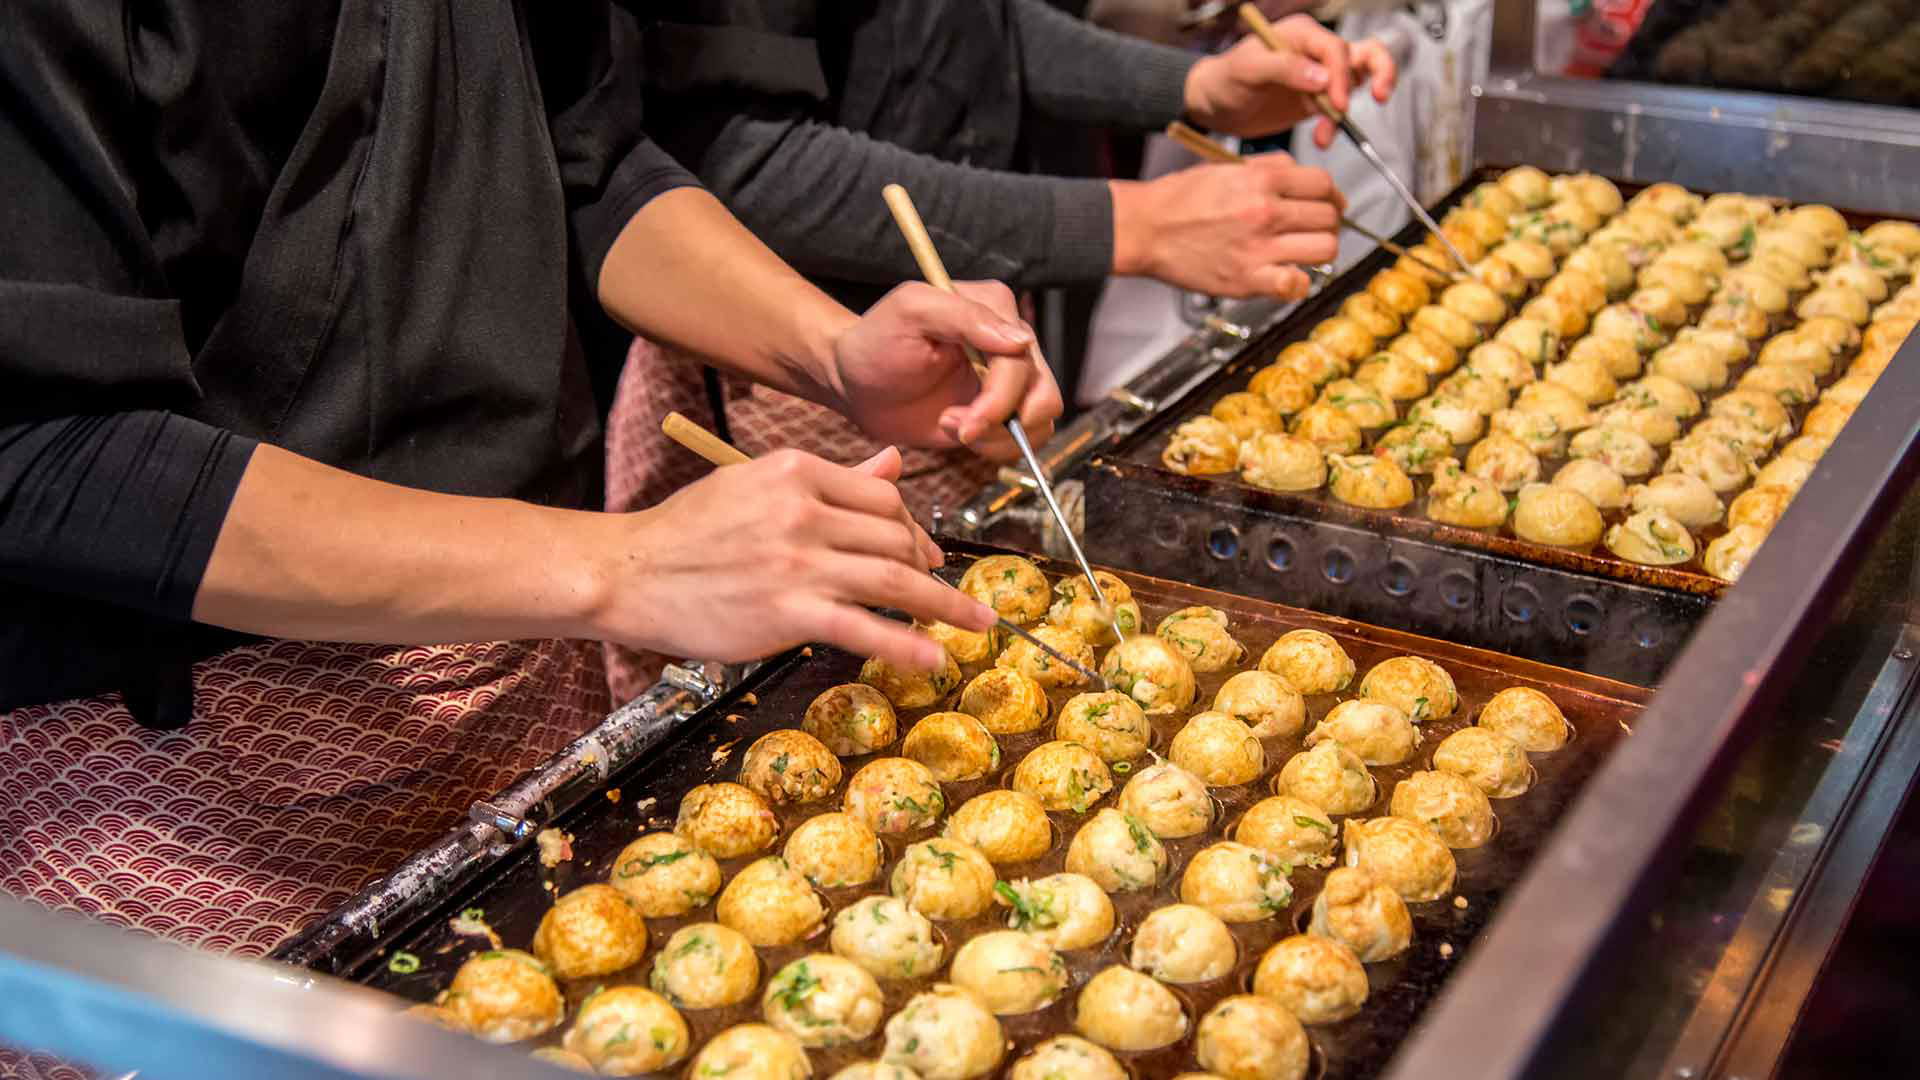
x=350 y=229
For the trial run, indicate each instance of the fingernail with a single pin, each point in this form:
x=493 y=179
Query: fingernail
x=985 y=616
x=1014 y=334
x=1314 y=75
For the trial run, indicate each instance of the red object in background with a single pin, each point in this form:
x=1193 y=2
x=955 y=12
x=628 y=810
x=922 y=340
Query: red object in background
x=1602 y=33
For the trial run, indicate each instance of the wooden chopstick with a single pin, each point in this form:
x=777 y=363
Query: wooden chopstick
x=716 y=450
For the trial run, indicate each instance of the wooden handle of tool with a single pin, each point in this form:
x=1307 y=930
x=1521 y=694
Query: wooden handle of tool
x=1251 y=17
x=1201 y=145
x=907 y=217
x=701 y=441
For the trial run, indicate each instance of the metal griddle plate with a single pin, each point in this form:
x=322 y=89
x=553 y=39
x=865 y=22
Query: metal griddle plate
x=515 y=897
x=1138 y=461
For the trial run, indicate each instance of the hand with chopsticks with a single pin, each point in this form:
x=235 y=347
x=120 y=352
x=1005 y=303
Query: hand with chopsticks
x=1253 y=90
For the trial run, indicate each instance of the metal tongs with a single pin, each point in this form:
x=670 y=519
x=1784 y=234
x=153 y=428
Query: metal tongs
x=1256 y=22
x=720 y=452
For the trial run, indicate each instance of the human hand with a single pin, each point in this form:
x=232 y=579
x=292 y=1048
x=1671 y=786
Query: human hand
x=901 y=375
x=776 y=552
x=1229 y=230
x=1252 y=90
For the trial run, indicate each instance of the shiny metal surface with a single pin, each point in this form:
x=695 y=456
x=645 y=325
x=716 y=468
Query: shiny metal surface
x=1042 y=482
x=1400 y=187
x=1022 y=633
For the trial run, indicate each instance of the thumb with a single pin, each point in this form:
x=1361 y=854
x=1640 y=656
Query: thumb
x=885 y=464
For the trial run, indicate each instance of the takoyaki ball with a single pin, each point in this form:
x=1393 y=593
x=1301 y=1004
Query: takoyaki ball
x=1801 y=248
x=1312 y=662
x=1460 y=420
x=1151 y=672
x=771 y=904
x=1063 y=776
x=1882 y=335
x=1583 y=290
x=1110 y=724
x=1010 y=585
x=1012 y=973
x=1595 y=192
x=1683 y=284
x=1066 y=911
x=834 y=851
x=1201 y=446
x=1285 y=389
x=1418 y=687
x=1502 y=363
x=1558 y=236
x=1363 y=404
x=1365 y=915
x=1292 y=829
x=1249 y=1037
x=1415 y=447
x=1707 y=260
x=1566 y=320
x=1662 y=392
x=944 y=879
x=1368 y=480
x=1531 y=338
x=885 y=936
x=1623 y=321
x=1753 y=440
x=1719 y=464
x=965 y=646
x=1781 y=268
x=1066 y=1056
x=1657 y=426
x=1728 y=555
x=1568 y=409
x=1283 y=463
x=1660 y=305
x=752 y=1052
x=1537 y=431
x=1486 y=759
x=1671 y=200
x=1317 y=978
x=1123 y=1010
x=566 y=1059
x=1405 y=855
x=1457 y=812
x=1740 y=318
x=1595 y=481
x=1481 y=393
x=1861 y=279
x=1371 y=313
x=1264 y=702
x=1475 y=302
x=1200 y=634
x=1218 y=749
x=1849 y=391
x=1556 y=515
x=1237 y=882
x=503 y=996
x=1807 y=448
x=1793 y=386
x=1117 y=852
x=1168 y=799
x=1785 y=473
x=1529 y=185
x=946 y=1033
x=1694 y=366
x=1328 y=776
x=1652 y=539
x=1393 y=377
x=1621 y=449
x=1823 y=223
x=894 y=795
x=1494 y=199
x=1825 y=420
x=875 y=1070
x=1329 y=428
x=726 y=820
x=1502 y=277
x=1759 y=410
x=1607 y=262
x=1882 y=259
x=1461 y=237
x=1182 y=943
x=1400 y=292
x=1724 y=231
x=953 y=746
x=664 y=875
x=1486 y=227
x=1449 y=326
x=1759 y=507
x=913 y=689
x=1246 y=415
x=1008 y=702
x=1534 y=261
x=604 y=1032
x=1528 y=717
x=1837 y=301
x=1024 y=656
x=1900 y=236
x=851 y=719
x=706 y=966
x=1343 y=338
x=1376 y=732
x=1459 y=498
x=1426 y=349
x=1730 y=347
x=1006 y=826
x=1586 y=378
x=788 y=766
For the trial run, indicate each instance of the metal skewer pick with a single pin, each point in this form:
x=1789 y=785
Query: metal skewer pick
x=718 y=451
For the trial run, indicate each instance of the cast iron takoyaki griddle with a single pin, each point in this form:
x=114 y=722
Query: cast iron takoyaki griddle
x=646 y=797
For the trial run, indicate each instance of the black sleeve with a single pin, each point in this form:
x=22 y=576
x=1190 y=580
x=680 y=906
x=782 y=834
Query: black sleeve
x=1076 y=71
x=103 y=492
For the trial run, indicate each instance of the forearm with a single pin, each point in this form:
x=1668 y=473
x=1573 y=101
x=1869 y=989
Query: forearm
x=685 y=272
x=310 y=551
x=1079 y=72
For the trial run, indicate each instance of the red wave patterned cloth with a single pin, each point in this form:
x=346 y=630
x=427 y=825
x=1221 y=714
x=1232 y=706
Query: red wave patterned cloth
x=308 y=769
x=644 y=466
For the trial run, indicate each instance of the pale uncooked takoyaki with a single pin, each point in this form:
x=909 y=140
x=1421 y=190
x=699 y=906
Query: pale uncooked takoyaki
x=1378 y=733
x=705 y=966
x=1151 y=672
x=944 y=879
x=1405 y=855
x=1118 y=852
x=1317 y=978
x=893 y=795
x=945 y=1033
x=1063 y=776
x=1651 y=538
x=1010 y=972
x=1727 y=556
x=1264 y=702
x=1168 y=799
x=1681 y=496
x=1621 y=449
x=1601 y=486
x=664 y=874
x=823 y=1000
x=1183 y=943
x=1311 y=661
x=1203 y=636
x=1487 y=759
x=1328 y=776
x=1066 y=911
x=1238 y=882
x=1459 y=498
x=1283 y=463
x=1109 y=723
x=1295 y=830
x=604 y=1032
x=1457 y=812
x=1504 y=461
x=1218 y=749
x=887 y=937
x=1416 y=447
